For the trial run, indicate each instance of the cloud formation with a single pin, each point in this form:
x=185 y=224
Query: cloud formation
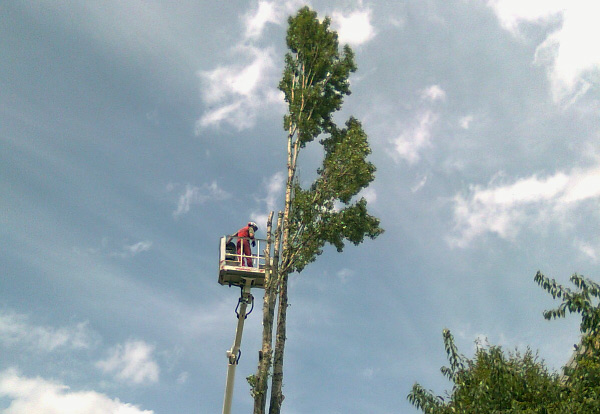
x=16 y=330
x=590 y=250
x=345 y=274
x=433 y=93
x=274 y=186
x=571 y=53
x=369 y=194
x=237 y=93
x=234 y=93
x=130 y=250
x=275 y=12
x=419 y=185
x=138 y=247
x=505 y=209
x=354 y=28
x=465 y=121
x=131 y=363
x=409 y=144
x=415 y=138
x=197 y=195
x=511 y=13
x=40 y=396
x=255 y=22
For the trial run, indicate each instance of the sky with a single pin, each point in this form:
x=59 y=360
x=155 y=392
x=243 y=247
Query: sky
x=134 y=134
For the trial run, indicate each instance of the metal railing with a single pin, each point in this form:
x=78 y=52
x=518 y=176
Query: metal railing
x=231 y=252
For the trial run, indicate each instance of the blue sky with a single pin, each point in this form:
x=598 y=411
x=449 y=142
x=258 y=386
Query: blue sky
x=134 y=134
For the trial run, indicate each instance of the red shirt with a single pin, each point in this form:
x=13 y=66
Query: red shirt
x=245 y=232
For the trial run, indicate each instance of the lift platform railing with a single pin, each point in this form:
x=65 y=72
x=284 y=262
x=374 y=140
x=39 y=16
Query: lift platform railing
x=236 y=267
x=231 y=252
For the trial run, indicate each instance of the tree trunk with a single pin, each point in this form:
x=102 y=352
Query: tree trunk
x=265 y=357
x=277 y=381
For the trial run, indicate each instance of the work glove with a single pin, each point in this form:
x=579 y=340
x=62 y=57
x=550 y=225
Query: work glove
x=253 y=243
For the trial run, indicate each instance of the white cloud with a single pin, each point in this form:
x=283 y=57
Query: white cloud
x=238 y=91
x=240 y=80
x=504 y=209
x=413 y=140
x=183 y=377
x=275 y=187
x=255 y=22
x=40 y=396
x=16 y=330
x=236 y=94
x=197 y=195
x=398 y=22
x=275 y=12
x=130 y=250
x=261 y=219
x=511 y=13
x=571 y=52
x=465 y=121
x=108 y=248
x=139 y=247
x=345 y=274
x=369 y=194
x=132 y=363
x=433 y=93
x=588 y=250
x=231 y=113
x=419 y=185
x=355 y=28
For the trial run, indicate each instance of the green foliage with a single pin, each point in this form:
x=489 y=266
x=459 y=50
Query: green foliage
x=255 y=390
x=314 y=83
x=425 y=400
x=253 y=382
x=315 y=80
x=324 y=213
x=582 y=385
x=492 y=382
x=315 y=77
x=583 y=301
x=496 y=382
x=457 y=361
x=345 y=171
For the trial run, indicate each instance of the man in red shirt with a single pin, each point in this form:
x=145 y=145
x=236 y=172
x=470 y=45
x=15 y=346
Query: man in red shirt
x=244 y=235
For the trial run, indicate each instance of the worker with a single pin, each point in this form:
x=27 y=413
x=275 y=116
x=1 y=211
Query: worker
x=244 y=235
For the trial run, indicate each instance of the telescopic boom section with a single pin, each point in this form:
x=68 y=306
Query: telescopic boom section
x=233 y=355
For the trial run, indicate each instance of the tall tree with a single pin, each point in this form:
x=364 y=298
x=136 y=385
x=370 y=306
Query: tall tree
x=315 y=81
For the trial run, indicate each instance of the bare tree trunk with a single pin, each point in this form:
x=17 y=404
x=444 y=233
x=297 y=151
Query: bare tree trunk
x=292 y=149
x=277 y=381
x=259 y=383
